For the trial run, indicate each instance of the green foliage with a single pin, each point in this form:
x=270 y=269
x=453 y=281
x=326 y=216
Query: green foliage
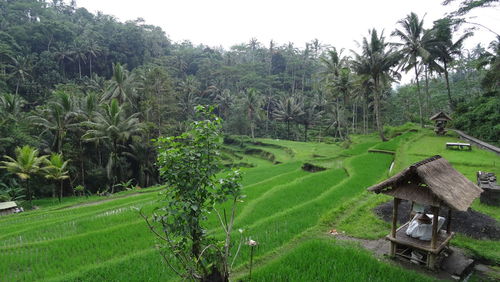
x=480 y=118
x=189 y=165
x=26 y=164
x=56 y=169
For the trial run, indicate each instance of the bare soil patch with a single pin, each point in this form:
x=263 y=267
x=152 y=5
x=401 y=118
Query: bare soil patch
x=471 y=223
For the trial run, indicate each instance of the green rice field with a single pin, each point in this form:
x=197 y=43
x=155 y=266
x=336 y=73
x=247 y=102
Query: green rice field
x=288 y=211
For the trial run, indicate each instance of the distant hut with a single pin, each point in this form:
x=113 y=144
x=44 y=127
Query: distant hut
x=432 y=182
x=440 y=120
x=8 y=208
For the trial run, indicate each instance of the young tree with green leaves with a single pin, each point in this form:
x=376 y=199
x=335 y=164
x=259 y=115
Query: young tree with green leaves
x=191 y=167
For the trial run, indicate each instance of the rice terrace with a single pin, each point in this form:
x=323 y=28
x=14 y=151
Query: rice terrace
x=128 y=156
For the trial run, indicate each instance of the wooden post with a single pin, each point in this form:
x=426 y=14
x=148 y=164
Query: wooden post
x=448 y=224
x=435 y=212
x=410 y=215
x=394 y=225
x=431 y=257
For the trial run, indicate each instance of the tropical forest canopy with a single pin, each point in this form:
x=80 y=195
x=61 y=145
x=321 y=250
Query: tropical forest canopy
x=92 y=92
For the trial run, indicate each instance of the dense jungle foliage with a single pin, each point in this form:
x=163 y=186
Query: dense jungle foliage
x=93 y=91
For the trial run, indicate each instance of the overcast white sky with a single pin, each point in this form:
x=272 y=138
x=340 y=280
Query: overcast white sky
x=228 y=22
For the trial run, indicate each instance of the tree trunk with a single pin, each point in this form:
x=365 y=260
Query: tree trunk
x=450 y=100
x=61 y=191
x=17 y=86
x=353 y=117
x=427 y=94
x=90 y=66
x=28 y=190
x=338 y=117
x=305 y=132
x=378 y=117
x=365 y=115
x=419 y=98
x=288 y=129
x=79 y=68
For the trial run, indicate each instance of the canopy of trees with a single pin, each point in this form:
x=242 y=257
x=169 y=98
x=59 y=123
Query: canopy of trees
x=95 y=91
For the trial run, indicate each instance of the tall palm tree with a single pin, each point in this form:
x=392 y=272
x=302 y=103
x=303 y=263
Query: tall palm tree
x=311 y=115
x=11 y=105
x=20 y=67
x=93 y=50
x=413 y=47
x=57 y=118
x=342 y=86
x=188 y=98
x=377 y=60
x=225 y=102
x=288 y=109
x=63 y=53
x=56 y=169
x=251 y=104
x=114 y=128
x=332 y=64
x=80 y=55
x=121 y=87
x=143 y=154
x=446 y=50
x=25 y=165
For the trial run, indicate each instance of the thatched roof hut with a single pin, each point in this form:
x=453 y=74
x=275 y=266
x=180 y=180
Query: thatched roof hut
x=433 y=182
x=7 y=208
x=440 y=116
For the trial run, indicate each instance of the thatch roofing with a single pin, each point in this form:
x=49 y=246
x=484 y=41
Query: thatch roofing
x=432 y=181
x=7 y=205
x=440 y=116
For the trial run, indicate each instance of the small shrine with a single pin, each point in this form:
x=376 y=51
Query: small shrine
x=488 y=182
x=431 y=185
x=440 y=120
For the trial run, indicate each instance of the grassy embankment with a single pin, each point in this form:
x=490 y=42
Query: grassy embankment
x=357 y=219
x=287 y=210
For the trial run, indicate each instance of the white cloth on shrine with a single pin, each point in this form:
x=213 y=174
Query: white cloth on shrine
x=422 y=231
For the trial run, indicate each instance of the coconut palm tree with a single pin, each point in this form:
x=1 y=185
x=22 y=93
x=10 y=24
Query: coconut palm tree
x=55 y=169
x=93 y=50
x=288 y=109
x=377 y=60
x=143 y=154
x=251 y=104
x=114 y=128
x=57 y=118
x=80 y=55
x=413 y=48
x=25 y=164
x=311 y=115
x=225 y=102
x=188 y=98
x=63 y=53
x=11 y=105
x=121 y=87
x=446 y=50
x=20 y=67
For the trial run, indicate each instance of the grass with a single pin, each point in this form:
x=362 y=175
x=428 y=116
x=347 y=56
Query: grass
x=286 y=208
x=358 y=220
x=330 y=261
